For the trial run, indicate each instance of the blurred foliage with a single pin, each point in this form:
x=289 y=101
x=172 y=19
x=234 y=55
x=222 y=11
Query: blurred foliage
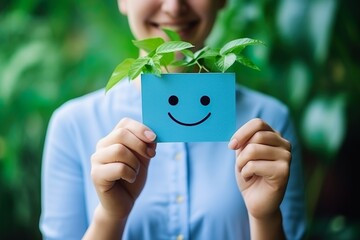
x=51 y=51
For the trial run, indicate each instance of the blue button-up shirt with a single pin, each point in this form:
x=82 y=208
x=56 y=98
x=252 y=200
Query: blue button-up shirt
x=190 y=192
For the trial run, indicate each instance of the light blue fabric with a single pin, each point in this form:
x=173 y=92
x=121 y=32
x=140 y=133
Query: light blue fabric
x=190 y=190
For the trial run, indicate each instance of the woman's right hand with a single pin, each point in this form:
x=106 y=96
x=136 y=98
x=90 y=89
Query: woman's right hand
x=119 y=166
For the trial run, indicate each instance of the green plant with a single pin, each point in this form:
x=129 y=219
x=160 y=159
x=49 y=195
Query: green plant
x=161 y=54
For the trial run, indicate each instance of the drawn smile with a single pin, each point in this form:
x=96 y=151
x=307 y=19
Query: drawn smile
x=189 y=124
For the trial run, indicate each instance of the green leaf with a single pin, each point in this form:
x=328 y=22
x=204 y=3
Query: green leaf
x=167 y=58
x=120 y=72
x=193 y=58
x=151 y=69
x=137 y=67
x=247 y=62
x=226 y=61
x=210 y=64
x=187 y=53
x=207 y=53
x=148 y=44
x=173 y=46
x=155 y=61
x=173 y=36
x=180 y=63
x=200 y=52
x=238 y=45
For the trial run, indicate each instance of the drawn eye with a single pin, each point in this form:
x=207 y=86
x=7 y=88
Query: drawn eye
x=205 y=100
x=173 y=100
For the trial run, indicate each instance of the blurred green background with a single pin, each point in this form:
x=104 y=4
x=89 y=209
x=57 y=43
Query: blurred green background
x=51 y=51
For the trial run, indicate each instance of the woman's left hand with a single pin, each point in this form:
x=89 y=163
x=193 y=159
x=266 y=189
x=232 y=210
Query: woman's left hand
x=262 y=167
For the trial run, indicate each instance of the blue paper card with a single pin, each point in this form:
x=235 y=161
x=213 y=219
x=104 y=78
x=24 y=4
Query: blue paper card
x=189 y=107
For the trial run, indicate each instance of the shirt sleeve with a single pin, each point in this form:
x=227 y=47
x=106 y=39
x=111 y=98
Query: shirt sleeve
x=63 y=214
x=293 y=205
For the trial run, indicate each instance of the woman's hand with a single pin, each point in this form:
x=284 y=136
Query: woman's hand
x=119 y=167
x=262 y=167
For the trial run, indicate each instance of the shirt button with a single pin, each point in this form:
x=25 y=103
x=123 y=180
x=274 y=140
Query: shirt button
x=179 y=199
x=180 y=237
x=178 y=156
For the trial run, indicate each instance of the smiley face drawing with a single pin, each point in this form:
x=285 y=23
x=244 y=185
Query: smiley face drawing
x=174 y=100
x=189 y=107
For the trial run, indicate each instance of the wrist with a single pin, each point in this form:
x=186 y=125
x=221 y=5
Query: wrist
x=102 y=216
x=105 y=225
x=269 y=227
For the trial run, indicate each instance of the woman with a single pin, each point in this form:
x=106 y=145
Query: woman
x=105 y=177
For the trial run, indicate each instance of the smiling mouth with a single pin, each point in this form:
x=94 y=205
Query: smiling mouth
x=189 y=124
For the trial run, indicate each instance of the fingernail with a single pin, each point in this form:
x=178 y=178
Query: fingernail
x=149 y=135
x=150 y=152
x=233 y=143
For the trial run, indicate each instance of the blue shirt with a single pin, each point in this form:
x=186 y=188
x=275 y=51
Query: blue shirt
x=191 y=191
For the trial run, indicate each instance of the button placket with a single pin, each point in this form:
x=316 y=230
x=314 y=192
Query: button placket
x=178 y=205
